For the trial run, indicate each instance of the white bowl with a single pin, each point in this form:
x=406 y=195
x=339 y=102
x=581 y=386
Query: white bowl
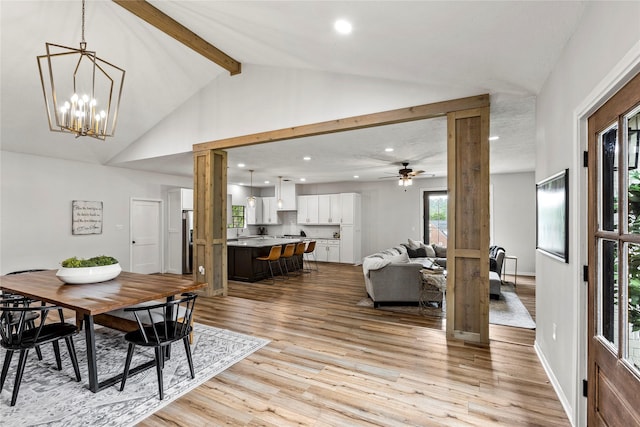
x=84 y=275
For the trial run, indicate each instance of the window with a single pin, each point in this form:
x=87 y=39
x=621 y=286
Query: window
x=237 y=217
x=435 y=217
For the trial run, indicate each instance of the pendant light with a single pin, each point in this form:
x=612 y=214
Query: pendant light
x=251 y=200
x=81 y=91
x=280 y=201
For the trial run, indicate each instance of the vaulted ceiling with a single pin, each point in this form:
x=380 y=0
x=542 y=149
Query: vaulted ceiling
x=506 y=49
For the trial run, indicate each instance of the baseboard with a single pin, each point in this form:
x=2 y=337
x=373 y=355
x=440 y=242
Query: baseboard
x=568 y=409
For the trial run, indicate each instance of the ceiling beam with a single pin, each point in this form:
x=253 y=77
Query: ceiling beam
x=173 y=28
x=418 y=112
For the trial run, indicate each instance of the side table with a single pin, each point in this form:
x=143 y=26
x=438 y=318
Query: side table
x=434 y=286
x=515 y=271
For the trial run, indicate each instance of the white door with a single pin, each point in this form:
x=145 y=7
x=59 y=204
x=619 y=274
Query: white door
x=146 y=247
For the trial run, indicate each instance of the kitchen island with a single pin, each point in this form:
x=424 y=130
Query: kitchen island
x=242 y=264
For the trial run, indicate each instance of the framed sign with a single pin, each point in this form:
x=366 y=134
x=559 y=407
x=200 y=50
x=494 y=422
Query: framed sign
x=552 y=216
x=86 y=217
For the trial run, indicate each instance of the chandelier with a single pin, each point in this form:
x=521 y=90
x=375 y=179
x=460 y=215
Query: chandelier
x=81 y=91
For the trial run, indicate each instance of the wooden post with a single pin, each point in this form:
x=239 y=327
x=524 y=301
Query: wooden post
x=210 y=220
x=468 y=229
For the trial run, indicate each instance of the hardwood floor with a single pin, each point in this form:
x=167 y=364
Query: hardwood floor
x=332 y=363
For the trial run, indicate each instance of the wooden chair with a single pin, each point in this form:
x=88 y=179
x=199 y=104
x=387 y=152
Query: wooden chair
x=287 y=255
x=274 y=256
x=17 y=333
x=311 y=247
x=160 y=335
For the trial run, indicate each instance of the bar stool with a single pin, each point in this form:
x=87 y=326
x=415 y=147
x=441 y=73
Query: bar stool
x=311 y=247
x=298 y=254
x=287 y=254
x=274 y=256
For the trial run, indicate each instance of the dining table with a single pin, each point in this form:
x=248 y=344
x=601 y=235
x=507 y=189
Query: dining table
x=89 y=300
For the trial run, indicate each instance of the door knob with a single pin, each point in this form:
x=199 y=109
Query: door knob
x=133 y=242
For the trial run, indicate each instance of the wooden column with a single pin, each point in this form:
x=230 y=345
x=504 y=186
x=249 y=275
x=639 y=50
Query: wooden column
x=468 y=228
x=210 y=220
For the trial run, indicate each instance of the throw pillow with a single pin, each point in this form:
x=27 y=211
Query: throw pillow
x=415 y=244
x=430 y=252
x=417 y=253
x=441 y=251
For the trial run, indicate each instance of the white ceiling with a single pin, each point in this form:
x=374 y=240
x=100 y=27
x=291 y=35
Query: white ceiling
x=506 y=49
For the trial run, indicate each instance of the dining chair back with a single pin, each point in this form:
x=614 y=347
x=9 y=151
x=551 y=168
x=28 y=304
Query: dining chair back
x=274 y=256
x=287 y=254
x=21 y=331
x=298 y=255
x=308 y=252
x=174 y=325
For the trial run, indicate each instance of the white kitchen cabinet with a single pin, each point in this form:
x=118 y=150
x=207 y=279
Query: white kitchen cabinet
x=269 y=211
x=254 y=213
x=329 y=209
x=288 y=195
x=349 y=210
x=308 y=209
x=186 y=195
x=350 y=229
x=328 y=250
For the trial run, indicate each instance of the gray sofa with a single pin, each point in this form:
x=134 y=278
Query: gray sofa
x=392 y=276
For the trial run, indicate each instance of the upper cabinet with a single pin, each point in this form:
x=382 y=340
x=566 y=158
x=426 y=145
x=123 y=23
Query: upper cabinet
x=254 y=213
x=329 y=209
x=350 y=208
x=265 y=212
x=270 y=210
x=288 y=196
x=307 y=209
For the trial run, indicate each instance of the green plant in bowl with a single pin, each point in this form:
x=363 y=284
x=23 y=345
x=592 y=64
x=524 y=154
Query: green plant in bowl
x=97 y=261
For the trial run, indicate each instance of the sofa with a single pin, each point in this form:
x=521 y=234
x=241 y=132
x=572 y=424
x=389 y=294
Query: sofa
x=392 y=276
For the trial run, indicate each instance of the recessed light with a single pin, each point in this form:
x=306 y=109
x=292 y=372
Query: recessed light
x=388 y=150
x=306 y=158
x=266 y=182
x=494 y=138
x=241 y=165
x=303 y=179
x=342 y=26
x=356 y=176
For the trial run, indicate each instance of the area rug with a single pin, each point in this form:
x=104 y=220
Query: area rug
x=49 y=397
x=508 y=310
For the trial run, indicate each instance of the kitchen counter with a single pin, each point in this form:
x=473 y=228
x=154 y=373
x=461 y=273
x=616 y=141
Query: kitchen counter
x=261 y=242
x=242 y=264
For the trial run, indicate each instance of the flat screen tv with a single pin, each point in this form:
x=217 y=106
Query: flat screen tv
x=552 y=216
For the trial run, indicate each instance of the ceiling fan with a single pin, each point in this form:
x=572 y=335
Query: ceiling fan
x=406 y=172
x=405 y=175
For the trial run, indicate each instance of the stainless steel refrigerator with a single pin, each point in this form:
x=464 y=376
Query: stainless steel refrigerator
x=187 y=242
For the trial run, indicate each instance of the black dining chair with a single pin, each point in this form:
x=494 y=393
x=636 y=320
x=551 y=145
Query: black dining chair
x=160 y=331
x=19 y=331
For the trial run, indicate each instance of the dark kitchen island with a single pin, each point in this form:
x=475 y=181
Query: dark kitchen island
x=241 y=257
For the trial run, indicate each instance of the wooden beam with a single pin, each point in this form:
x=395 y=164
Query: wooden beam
x=173 y=28
x=418 y=112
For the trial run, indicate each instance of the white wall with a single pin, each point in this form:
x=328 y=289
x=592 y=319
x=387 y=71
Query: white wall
x=607 y=32
x=514 y=219
x=36 y=195
x=266 y=98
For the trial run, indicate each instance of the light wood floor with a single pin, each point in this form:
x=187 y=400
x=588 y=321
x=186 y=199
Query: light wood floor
x=332 y=363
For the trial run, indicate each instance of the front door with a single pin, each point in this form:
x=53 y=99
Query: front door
x=146 y=253
x=614 y=260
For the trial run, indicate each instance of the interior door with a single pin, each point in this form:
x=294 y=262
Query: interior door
x=146 y=248
x=614 y=259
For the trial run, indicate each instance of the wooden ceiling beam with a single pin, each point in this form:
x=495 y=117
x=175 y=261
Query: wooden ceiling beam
x=173 y=28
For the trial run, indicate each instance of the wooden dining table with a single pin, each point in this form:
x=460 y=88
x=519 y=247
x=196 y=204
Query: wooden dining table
x=89 y=300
